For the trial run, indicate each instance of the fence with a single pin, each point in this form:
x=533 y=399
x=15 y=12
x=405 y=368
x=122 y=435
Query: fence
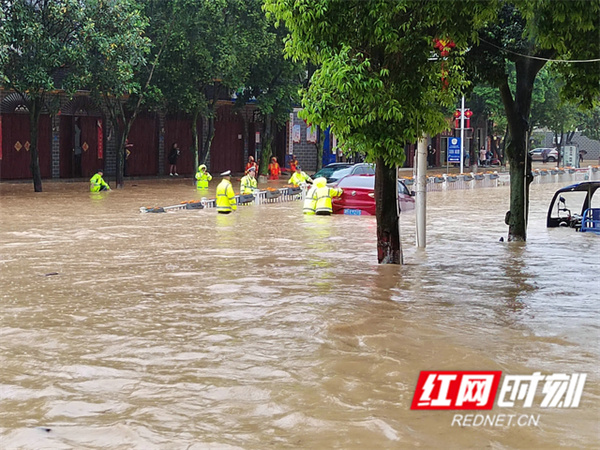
x=286 y=194
x=493 y=179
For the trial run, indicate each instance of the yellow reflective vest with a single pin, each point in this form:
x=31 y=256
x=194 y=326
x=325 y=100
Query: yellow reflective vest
x=247 y=185
x=323 y=196
x=310 y=202
x=202 y=177
x=298 y=178
x=97 y=183
x=225 y=197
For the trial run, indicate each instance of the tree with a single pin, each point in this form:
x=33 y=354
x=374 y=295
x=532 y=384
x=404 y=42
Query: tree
x=211 y=46
x=526 y=34
x=38 y=40
x=377 y=85
x=116 y=64
x=273 y=83
x=589 y=123
x=559 y=116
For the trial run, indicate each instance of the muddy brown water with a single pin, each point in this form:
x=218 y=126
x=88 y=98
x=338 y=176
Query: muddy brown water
x=266 y=329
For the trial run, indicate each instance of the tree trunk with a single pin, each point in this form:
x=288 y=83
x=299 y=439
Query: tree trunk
x=267 y=149
x=517 y=114
x=520 y=174
x=122 y=132
x=559 y=147
x=389 y=250
x=319 y=145
x=209 y=138
x=194 y=149
x=35 y=109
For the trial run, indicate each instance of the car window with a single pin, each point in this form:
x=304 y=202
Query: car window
x=327 y=171
x=402 y=189
x=358 y=183
x=339 y=173
x=367 y=182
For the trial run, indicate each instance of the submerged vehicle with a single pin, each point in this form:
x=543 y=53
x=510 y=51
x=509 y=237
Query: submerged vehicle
x=336 y=171
x=358 y=198
x=575 y=206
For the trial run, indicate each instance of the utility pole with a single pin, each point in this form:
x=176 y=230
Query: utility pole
x=421 y=193
x=462 y=135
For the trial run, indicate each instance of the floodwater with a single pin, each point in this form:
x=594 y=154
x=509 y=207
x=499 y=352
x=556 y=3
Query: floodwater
x=266 y=329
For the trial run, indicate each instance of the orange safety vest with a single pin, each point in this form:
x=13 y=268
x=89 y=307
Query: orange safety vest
x=274 y=170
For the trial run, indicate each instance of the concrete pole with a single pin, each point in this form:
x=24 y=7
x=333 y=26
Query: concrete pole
x=462 y=135
x=421 y=193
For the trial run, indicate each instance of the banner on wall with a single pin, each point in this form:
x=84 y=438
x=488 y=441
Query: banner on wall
x=290 y=137
x=100 y=139
x=311 y=134
x=296 y=134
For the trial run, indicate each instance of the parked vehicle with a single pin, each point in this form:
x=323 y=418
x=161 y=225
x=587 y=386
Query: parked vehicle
x=576 y=207
x=336 y=171
x=358 y=198
x=537 y=154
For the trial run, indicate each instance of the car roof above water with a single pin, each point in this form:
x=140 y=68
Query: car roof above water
x=358 y=181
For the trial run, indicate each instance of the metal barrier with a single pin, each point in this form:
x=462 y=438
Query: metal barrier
x=591 y=220
x=494 y=179
x=434 y=183
x=286 y=194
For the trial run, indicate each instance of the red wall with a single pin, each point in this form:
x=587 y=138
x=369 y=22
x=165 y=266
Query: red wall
x=143 y=159
x=178 y=129
x=227 y=149
x=90 y=163
x=15 y=164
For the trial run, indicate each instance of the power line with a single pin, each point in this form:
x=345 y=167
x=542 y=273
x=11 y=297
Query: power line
x=539 y=58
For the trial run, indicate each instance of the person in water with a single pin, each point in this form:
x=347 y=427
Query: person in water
x=97 y=183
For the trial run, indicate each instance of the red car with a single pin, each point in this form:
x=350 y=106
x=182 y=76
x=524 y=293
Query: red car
x=358 y=198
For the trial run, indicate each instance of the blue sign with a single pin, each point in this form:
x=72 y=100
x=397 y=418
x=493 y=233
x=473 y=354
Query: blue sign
x=454 y=149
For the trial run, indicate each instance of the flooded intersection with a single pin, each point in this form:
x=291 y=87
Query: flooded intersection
x=269 y=329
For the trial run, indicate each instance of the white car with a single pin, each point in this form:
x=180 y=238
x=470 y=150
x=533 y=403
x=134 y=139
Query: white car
x=536 y=154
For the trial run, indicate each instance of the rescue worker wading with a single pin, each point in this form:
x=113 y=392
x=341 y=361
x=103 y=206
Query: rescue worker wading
x=323 y=195
x=310 y=202
x=225 y=196
x=203 y=177
x=97 y=183
x=248 y=183
x=299 y=177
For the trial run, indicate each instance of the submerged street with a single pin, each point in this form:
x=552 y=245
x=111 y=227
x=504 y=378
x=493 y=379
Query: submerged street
x=270 y=329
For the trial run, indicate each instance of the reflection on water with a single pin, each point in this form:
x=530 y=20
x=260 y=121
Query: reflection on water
x=270 y=329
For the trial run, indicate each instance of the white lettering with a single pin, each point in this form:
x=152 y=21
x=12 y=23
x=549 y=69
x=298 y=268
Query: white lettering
x=559 y=386
x=520 y=387
x=524 y=422
x=474 y=388
x=457 y=418
x=495 y=420
x=442 y=398
x=535 y=420
x=478 y=420
x=428 y=386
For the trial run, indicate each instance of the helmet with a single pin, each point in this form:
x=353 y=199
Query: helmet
x=320 y=182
